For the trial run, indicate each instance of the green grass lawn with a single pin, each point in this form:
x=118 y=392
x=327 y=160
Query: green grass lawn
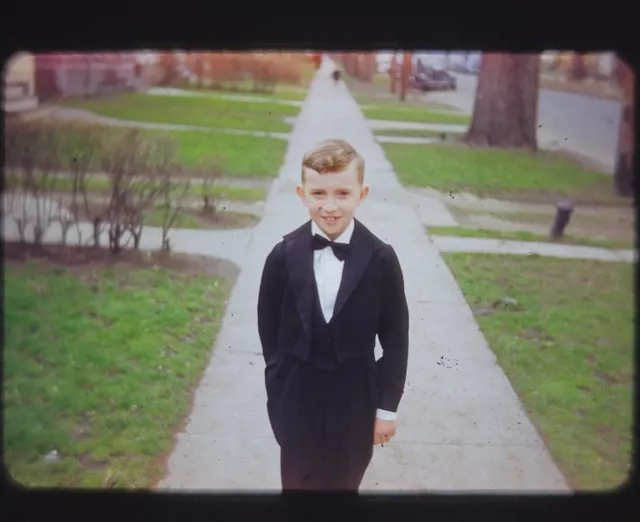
x=183 y=110
x=281 y=92
x=99 y=365
x=414 y=113
x=506 y=174
x=197 y=219
x=237 y=155
x=101 y=185
x=523 y=235
x=416 y=133
x=568 y=353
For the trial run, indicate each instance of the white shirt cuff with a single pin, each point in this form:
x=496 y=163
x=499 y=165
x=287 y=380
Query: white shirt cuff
x=385 y=415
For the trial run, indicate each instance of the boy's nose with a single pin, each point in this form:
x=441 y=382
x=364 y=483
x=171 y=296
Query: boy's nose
x=330 y=205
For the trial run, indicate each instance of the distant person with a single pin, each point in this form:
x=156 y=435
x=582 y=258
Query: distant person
x=336 y=76
x=327 y=290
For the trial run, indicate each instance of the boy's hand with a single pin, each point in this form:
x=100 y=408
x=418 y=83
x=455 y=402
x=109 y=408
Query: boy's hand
x=383 y=431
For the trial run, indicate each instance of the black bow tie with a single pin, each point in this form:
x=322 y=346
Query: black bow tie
x=340 y=250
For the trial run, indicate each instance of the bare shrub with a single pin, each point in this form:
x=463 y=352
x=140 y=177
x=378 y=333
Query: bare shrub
x=82 y=146
x=173 y=187
x=125 y=158
x=208 y=171
x=31 y=159
x=173 y=199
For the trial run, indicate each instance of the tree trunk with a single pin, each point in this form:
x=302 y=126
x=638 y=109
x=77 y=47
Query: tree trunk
x=623 y=177
x=404 y=77
x=200 y=69
x=357 y=66
x=393 y=73
x=577 y=68
x=505 y=112
x=367 y=69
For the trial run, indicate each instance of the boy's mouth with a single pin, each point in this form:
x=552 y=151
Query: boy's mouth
x=331 y=219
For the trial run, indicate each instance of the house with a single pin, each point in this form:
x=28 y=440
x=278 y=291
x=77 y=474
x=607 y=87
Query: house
x=19 y=94
x=84 y=74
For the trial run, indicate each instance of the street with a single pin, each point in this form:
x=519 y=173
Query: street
x=580 y=124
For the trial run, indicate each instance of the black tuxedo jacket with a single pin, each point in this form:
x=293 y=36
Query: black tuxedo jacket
x=371 y=301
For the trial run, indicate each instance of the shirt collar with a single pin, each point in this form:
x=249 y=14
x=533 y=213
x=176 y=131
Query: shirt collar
x=345 y=237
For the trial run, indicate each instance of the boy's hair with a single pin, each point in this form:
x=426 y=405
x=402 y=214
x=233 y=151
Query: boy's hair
x=333 y=156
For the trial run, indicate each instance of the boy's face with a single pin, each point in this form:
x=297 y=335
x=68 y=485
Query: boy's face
x=332 y=198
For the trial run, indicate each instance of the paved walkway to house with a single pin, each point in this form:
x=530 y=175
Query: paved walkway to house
x=460 y=425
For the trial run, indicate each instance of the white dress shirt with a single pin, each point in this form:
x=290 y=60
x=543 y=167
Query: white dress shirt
x=328 y=274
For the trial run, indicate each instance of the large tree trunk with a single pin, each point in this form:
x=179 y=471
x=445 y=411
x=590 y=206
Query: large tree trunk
x=623 y=176
x=505 y=112
x=404 y=76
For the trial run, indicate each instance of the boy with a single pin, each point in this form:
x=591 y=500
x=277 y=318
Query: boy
x=327 y=290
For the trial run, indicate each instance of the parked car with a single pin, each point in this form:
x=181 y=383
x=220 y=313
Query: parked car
x=434 y=80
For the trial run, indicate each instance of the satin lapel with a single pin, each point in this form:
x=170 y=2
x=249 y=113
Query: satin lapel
x=301 y=276
x=354 y=267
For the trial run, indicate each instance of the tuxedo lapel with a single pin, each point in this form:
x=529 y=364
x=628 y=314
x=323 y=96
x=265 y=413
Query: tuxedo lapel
x=301 y=276
x=354 y=266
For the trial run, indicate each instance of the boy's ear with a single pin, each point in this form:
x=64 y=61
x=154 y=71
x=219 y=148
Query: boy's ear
x=364 y=192
x=300 y=192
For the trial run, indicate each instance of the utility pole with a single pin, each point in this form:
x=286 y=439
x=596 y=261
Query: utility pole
x=623 y=177
x=404 y=77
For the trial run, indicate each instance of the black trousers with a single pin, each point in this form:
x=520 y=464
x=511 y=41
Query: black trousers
x=323 y=421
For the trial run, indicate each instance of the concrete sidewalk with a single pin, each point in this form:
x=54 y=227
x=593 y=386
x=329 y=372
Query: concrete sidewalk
x=460 y=427
x=481 y=245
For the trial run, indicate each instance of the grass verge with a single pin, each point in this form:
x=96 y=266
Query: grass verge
x=198 y=219
x=523 y=235
x=418 y=133
x=183 y=110
x=503 y=174
x=237 y=155
x=568 y=353
x=281 y=92
x=417 y=114
x=101 y=185
x=101 y=359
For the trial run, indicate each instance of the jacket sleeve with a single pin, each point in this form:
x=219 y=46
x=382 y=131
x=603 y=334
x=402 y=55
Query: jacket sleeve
x=393 y=333
x=270 y=301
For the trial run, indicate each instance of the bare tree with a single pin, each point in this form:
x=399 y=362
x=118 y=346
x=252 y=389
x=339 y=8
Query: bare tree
x=393 y=73
x=506 y=104
x=404 y=76
x=624 y=170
